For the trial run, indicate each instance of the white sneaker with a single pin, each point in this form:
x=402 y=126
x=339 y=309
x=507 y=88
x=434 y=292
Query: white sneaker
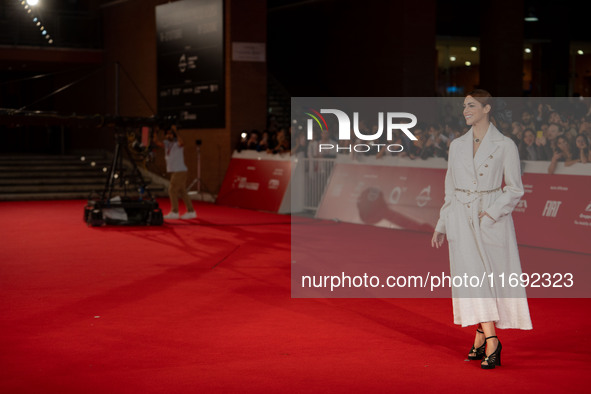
x=172 y=216
x=189 y=215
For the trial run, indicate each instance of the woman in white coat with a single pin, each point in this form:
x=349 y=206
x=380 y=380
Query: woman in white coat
x=476 y=218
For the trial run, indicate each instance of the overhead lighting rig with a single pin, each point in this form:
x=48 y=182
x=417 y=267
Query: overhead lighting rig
x=28 y=8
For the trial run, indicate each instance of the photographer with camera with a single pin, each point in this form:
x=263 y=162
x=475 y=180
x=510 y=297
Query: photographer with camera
x=175 y=164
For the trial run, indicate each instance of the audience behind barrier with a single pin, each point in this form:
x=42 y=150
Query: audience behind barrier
x=273 y=140
x=541 y=134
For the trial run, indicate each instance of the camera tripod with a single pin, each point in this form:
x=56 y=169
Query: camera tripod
x=126 y=209
x=197 y=179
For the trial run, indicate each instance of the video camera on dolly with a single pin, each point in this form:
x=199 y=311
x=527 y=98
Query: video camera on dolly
x=126 y=200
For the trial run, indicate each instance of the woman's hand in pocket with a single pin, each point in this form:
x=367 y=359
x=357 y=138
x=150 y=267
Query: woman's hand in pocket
x=483 y=214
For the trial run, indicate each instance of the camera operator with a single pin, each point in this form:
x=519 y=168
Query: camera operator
x=175 y=164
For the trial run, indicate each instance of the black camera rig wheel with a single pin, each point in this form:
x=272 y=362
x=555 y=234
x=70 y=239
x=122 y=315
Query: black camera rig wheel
x=95 y=218
x=155 y=217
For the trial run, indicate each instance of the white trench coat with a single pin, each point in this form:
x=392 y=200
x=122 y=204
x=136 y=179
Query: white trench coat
x=484 y=248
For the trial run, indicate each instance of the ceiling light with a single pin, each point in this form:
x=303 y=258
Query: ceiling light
x=452 y=58
x=531 y=15
x=32 y=2
x=580 y=52
x=473 y=49
x=527 y=50
x=467 y=63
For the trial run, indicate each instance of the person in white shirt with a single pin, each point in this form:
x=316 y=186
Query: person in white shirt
x=175 y=164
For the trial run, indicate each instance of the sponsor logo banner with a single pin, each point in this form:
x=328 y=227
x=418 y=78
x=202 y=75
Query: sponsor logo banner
x=255 y=184
x=555 y=213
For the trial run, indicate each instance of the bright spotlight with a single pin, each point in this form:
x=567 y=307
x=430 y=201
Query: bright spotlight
x=32 y=2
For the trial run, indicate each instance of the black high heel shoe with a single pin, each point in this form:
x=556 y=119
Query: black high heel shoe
x=494 y=359
x=479 y=352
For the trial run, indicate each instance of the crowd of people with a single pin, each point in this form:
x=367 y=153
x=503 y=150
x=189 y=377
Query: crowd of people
x=274 y=139
x=541 y=133
x=553 y=136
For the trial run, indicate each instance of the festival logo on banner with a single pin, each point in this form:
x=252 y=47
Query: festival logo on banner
x=255 y=184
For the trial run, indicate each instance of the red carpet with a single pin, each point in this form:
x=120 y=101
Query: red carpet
x=204 y=306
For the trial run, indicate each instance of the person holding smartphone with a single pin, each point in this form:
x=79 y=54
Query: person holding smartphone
x=531 y=146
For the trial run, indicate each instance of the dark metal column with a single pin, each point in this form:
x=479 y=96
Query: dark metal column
x=501 y=42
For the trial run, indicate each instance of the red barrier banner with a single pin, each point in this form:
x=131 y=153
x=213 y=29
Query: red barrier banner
x=384 y=196
x=255 y=184
x=555 y=211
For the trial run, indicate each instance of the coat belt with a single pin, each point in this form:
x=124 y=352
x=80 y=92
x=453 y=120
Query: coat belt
x=479 y=192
